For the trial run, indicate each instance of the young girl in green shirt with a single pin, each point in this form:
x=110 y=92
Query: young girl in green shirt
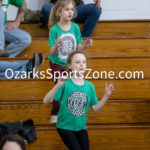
x=64 y=38
x=75 y=95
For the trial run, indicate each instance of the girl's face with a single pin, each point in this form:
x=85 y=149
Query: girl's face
x=67 y=12
x=78 y=63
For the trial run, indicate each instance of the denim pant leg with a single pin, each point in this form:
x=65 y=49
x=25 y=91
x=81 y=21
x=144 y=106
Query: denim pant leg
x=89 y=15
x=13 y=66
x=2 y=39
x=18 y=41
x=46 y=11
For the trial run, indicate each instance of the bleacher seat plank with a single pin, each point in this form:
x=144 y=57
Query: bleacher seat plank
x=34 y=30
x=100 y=48
x=103 y=30
x=122 y=30
x=16 y=90
x=104 y=138
x=119 y=111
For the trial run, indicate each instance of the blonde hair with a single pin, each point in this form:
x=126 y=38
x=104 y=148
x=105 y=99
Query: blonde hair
x=59 y=5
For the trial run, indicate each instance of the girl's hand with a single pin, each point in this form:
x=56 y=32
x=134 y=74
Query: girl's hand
x=108 y=89
x=88 y=43
x=57 y=42
x=61 y=81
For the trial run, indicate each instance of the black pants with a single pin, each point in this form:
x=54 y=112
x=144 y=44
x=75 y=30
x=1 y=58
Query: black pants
x=75 y=140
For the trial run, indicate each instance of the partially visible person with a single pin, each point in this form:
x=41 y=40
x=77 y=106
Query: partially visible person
x=86 y=13
x=21 y=69
x=16 y=38
x=12 y=142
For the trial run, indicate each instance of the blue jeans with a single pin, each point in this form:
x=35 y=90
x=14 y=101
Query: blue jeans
x=2 y=29
x=18 y=39
x=20 y=66
x=87 y=14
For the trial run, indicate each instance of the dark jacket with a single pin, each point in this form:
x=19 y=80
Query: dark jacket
x=25 y=129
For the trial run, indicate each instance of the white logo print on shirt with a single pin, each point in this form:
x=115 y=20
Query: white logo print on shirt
x=76 y=103
x=67 y=45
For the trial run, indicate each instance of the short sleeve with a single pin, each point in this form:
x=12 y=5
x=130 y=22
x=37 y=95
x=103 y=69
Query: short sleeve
x=59 y=93
x=93 y=95
x=17 y=3
x=79 y=37
x=52 y=37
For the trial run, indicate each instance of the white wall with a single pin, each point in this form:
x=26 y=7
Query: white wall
x=112 y=9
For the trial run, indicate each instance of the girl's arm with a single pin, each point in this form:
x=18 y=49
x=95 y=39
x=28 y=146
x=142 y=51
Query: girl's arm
x=49 y=96
x=53 y=49
x=15 y=24
x=87 y=43
x=100 y=104
x=1 y=3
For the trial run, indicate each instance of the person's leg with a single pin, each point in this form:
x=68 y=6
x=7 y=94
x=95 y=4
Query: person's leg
x=83 y=139
x=89 y=15
x=2 y=39
x=11 y=69
x=55 y=106
x=69 y=139
x=18 y=40
x=8 y=69
x=46 y=11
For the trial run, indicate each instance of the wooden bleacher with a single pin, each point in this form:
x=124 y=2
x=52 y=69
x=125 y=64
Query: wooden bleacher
x=123 y=123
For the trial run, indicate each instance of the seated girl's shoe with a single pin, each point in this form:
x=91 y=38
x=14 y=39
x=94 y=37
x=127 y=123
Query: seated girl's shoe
x=53 y=119
x=3 y=53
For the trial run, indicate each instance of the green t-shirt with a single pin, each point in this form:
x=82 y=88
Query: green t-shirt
x=6 y=3
x=68 y=42
x=74 y=101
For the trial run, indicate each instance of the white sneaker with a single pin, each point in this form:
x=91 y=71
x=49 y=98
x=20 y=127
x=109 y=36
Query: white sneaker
x=53 y=119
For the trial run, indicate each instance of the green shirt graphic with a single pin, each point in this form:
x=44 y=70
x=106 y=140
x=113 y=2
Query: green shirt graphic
x=74 y=103
x=6 y=3
x=68 y=42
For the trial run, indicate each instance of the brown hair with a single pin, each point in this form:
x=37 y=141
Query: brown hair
x=69 y=59
x=13 y=138
x=59 y=5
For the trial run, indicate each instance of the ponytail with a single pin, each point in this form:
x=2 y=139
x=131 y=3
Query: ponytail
x=52 y=18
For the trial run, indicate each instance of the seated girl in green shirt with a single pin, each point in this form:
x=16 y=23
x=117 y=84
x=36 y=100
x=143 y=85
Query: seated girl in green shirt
x=75 y=96
x=64 y=38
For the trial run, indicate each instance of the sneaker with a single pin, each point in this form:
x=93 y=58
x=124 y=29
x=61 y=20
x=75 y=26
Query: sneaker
x=38 y=60
x=35 y=63
x=3 y=53
x=53 y=119
x=41 y=56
